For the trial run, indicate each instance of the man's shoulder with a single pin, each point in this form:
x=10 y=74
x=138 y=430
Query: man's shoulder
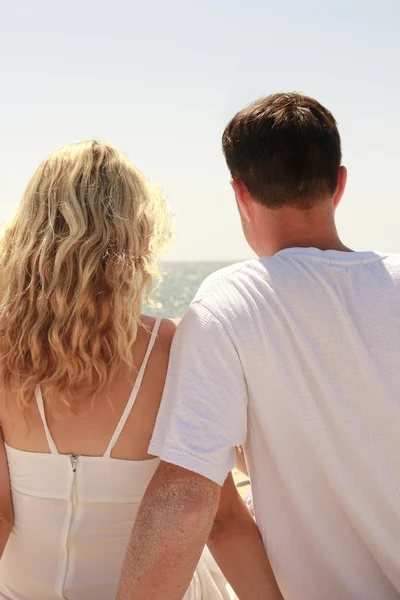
x=228 y=286
x=393 y=260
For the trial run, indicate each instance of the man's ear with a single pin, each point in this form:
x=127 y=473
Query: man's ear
x=340 y=187
x=243 y=199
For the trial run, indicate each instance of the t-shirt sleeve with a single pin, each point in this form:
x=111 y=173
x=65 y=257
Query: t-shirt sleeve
x=203 y=413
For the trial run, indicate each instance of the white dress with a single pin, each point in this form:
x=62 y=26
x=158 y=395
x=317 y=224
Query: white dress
x=73 y=516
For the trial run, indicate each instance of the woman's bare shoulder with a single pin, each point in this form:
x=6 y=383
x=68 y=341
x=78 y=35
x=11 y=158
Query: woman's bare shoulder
x=166 y=331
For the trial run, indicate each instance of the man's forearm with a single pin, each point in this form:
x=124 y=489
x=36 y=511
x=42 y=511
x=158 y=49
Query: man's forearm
x=170 y=531
x=237 y=547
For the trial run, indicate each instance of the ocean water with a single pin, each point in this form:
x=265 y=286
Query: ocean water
x=181 y=282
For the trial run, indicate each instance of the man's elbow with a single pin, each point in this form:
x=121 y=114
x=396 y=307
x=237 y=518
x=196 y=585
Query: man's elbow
x=198 y=511
x=196 y=506
x=182 y=497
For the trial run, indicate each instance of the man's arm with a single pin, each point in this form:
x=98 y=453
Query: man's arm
x=170 y=531
x=237 y=547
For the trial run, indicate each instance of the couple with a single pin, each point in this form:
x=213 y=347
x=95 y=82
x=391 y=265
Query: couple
x=294 y=356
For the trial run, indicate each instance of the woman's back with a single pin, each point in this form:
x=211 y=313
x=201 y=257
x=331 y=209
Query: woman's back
x=75 y=262
x=77 y=481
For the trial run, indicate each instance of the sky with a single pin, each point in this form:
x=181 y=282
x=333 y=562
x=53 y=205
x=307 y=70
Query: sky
x=161 y=78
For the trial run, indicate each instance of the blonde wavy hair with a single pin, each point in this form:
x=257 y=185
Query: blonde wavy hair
x=75 y=264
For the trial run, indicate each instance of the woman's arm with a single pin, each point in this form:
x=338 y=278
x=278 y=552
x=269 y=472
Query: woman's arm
x=238 y=549
x=6 y=509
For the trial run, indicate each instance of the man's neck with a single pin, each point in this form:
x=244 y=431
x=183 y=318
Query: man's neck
x=291 y=228
x=326 y=243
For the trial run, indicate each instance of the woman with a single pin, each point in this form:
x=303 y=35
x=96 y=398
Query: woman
x=82 y=373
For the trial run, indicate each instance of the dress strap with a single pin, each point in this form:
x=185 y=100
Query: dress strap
x=39 y=400
x=135 y=390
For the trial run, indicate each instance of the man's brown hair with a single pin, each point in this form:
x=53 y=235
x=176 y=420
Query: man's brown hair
x=286 y=149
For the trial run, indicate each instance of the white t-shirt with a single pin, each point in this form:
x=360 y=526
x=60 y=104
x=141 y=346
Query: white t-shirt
x=297 y=357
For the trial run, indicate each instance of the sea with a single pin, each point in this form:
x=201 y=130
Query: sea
x=179 y=286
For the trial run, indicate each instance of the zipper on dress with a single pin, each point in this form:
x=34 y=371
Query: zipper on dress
x=74 y=464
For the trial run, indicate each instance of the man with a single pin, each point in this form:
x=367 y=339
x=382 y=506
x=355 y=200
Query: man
x=295 y=355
